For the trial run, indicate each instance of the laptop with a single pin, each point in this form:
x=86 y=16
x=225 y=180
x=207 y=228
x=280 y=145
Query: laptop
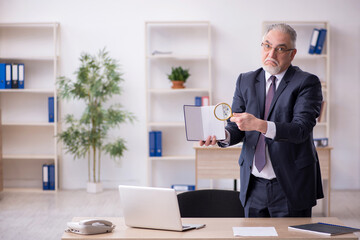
x=155 y=208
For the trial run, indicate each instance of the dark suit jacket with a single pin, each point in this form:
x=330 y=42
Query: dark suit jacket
x=294 y=109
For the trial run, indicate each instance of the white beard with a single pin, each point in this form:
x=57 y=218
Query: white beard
x=272 y=70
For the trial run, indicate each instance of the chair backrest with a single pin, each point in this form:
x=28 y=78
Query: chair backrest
x=210 y=203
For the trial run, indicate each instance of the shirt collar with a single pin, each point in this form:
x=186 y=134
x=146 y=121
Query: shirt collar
x=278 y=76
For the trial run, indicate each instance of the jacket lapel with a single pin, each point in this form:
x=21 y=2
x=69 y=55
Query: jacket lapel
x=284 y=82
x=260 y=92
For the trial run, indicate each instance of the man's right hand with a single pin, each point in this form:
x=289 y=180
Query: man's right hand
x=211 y=140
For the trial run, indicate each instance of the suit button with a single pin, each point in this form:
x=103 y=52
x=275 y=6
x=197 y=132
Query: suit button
x=253 y=147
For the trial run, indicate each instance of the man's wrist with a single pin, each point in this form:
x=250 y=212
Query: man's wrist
x=262 y=127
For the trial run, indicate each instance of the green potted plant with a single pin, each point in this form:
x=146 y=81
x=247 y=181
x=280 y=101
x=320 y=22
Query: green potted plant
x=97 y=80
x=178 y=77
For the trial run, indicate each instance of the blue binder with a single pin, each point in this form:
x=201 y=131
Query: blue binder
x=21 y=75
x=152 y=141
x=320 y=42
x=158 y=143
x=313 y=40
x=51 y=169
x=45 y=177
x=15 y=76
x=51 y=109
x=197 y=101
x=8 y=75
x=2 y=75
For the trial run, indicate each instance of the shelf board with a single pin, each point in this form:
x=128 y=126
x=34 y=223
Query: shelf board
x=31 y=24
x=28 y=124
x=181 y=90
x=28 y=156
x=179 y=56
x=174 y=158
x=27 y=58
x=323 y=124
x=27 y=90
x=166 y=124
x=310 y=56
x=33 y=190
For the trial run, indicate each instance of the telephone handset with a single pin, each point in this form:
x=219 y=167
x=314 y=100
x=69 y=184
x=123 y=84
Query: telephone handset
x=90 y=226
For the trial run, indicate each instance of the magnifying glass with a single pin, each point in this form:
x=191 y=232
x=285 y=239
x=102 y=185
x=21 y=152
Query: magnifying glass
x=222 y=111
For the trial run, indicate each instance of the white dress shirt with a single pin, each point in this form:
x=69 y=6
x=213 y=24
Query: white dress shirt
x=268 y=170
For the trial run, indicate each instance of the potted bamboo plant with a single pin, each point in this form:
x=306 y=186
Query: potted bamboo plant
x=178 y=77
x=97 y=80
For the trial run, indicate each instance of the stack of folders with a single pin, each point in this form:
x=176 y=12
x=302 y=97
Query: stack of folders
x=317 y=41
x=12 y=75
x=155 y=144
x=202 y=101
x=183 y=187
x=48 y=176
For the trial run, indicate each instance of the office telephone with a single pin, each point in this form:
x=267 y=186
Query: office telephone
x=90 y=226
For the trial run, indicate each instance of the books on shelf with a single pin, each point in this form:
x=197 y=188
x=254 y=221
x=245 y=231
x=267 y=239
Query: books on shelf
x=12 y=75
x=48 y=176
x=183 y=187
x=155 y=143
x=51 y=106
x=317 y=41
x=324 y=228
x=202 y=101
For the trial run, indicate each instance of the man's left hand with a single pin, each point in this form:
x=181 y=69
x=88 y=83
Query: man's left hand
x=248 y=122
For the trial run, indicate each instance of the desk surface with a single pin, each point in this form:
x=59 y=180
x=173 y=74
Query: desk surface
x=216 y=228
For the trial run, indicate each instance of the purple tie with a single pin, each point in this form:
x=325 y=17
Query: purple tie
x=260 y=159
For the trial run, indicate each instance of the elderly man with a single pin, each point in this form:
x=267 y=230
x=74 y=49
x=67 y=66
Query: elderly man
x=275 y=109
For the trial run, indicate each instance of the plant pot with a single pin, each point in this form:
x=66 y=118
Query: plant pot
x=94 y=187
x=177 y=84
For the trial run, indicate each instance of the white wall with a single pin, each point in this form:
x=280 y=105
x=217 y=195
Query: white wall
x=88 y=25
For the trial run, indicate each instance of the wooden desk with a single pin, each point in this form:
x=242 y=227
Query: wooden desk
x=216 y=228
x=214 y=162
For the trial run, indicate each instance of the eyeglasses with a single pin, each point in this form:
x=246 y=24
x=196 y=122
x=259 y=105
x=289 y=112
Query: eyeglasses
x=280 y=49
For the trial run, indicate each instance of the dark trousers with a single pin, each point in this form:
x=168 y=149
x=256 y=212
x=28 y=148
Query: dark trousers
x=265 y=198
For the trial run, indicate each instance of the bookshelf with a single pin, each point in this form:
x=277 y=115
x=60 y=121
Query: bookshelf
x=186 y=44
x=318 y=64
x=28 y=138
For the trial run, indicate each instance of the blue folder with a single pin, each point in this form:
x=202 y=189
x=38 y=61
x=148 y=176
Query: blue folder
x=314 y=40
x=320 y=41
x=21 y=75
x=158 y=143
x=15 y=76
x=51 y=109
x=45 y=177
x=2 y=75
x=51 y=169
x=8 y=83
x=152 y=142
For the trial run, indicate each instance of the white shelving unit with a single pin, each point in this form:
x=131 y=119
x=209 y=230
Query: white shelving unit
x=189 y=44
x=318 y=64
x=28 y=139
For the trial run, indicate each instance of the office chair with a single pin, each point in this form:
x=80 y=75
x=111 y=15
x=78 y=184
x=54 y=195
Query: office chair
x=210 y=203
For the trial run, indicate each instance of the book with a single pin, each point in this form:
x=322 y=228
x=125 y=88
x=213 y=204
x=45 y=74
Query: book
x=324 y=228
x=200 y=122
x=198 y=101
x=51 y=109
x=2 y=75
x=158 y=143
x=313 y=40
x=183 y=187
x=8 y=76
x=320 y=41
x=15 y=76
x=45 y=177
x=51 y=173
x=152 y=142
x=21 y=69
x=205 y=101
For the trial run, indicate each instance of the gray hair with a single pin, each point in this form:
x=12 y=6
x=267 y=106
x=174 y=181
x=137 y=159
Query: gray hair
x=283 y=27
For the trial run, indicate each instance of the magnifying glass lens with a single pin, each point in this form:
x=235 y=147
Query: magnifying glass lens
x=222 y=111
